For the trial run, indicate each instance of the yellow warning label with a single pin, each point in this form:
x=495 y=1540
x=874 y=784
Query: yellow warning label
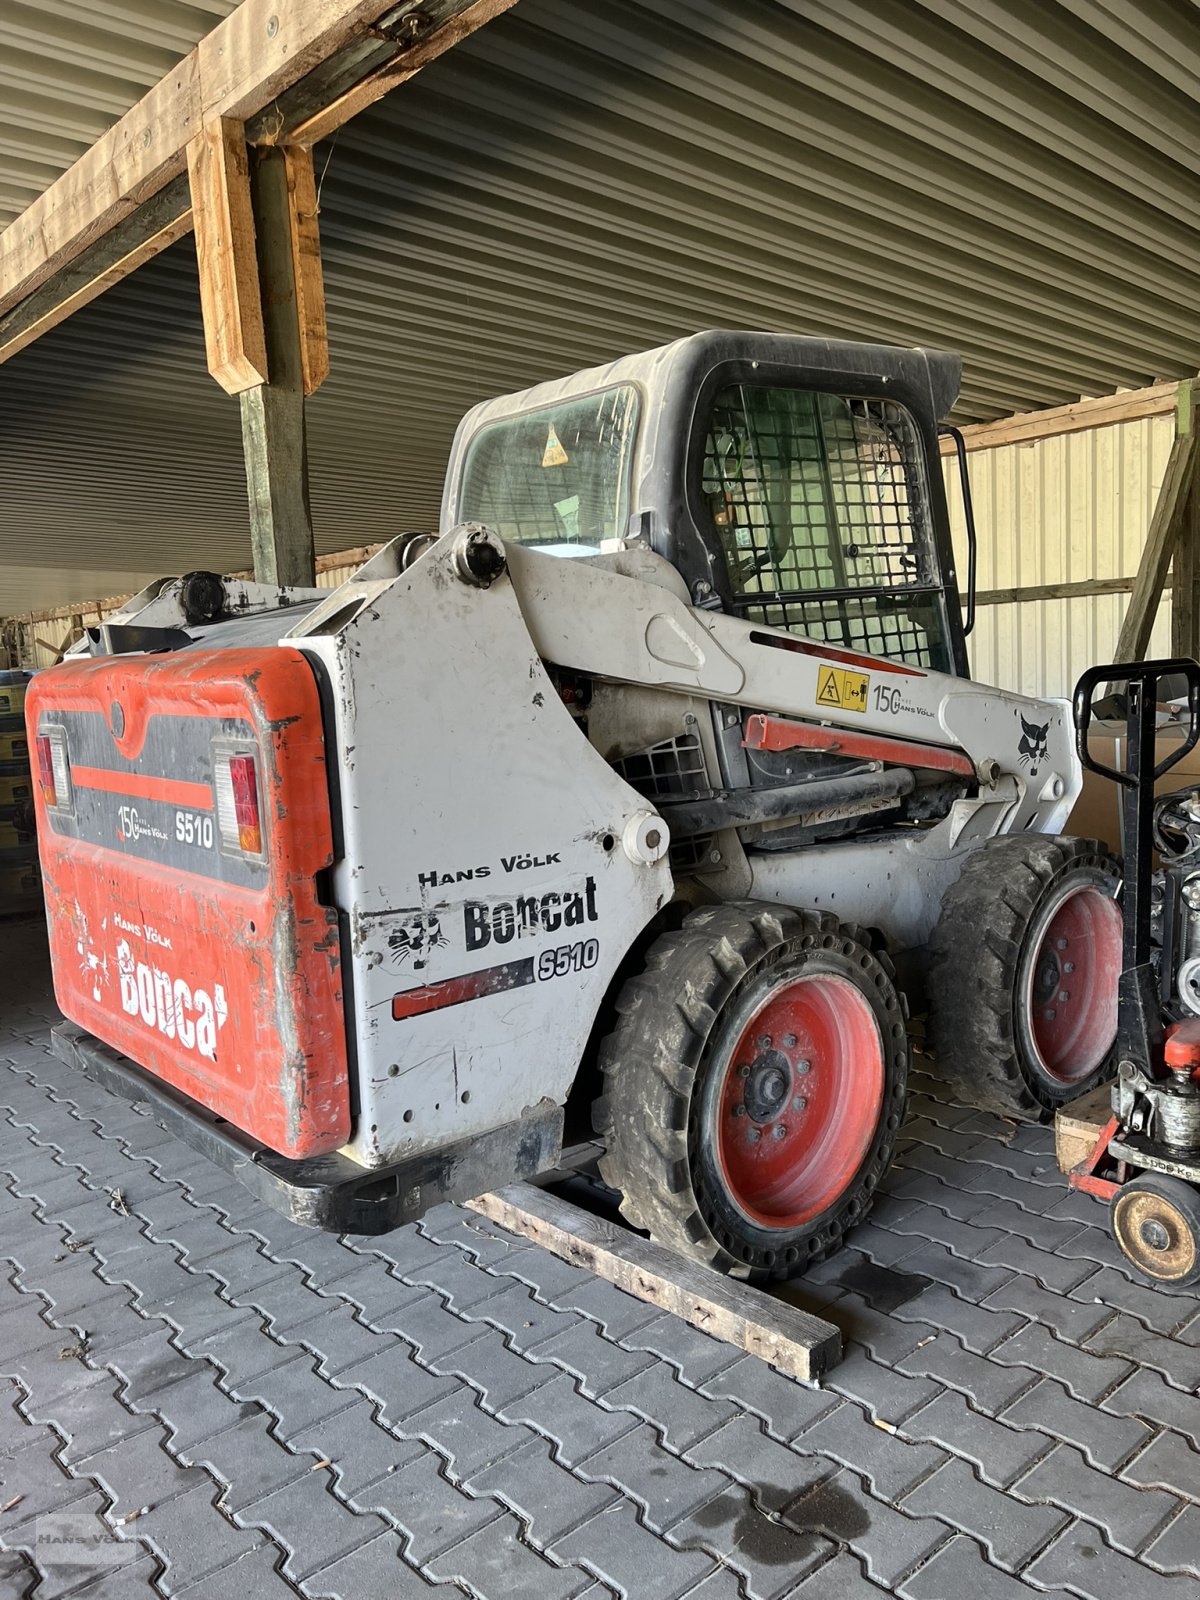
x=847 y=691
x=554 y=455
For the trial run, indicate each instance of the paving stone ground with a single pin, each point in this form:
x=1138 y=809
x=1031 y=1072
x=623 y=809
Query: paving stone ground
x=201 y=1400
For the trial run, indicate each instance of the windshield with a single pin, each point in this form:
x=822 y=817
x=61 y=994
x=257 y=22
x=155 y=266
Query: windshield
x=558 y=478
x=820 y=507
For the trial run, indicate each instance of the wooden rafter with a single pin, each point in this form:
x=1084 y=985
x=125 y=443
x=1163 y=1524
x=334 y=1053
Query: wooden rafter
x=1163 y=536
x=293 y=65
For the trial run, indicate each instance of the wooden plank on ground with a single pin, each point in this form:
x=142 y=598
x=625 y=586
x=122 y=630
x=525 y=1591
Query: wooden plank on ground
x=1077 y=1126
x=796 y=1342
x=230 y=298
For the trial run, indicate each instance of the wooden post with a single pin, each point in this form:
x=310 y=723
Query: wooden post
x=1185 y=588
x=1163 y=536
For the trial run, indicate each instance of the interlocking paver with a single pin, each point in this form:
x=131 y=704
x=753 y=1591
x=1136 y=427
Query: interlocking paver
x=1012 y=1532
x=549 y=1498
x=375 y=1568
x=891 y=1465
x=664 y=1486
x=770 y=1554
x=1169 y=1461
x=1080 y=1561
x=990 y=1387
x=1129 y=1516
x=422 y=1503
x=621 y=1552
x=1177 y=1548
x=959 y=1570
x=1124 y=1337
x=890 y=1543
x=1052 y=1410
x=1086 y=1374
x=1000 y=1453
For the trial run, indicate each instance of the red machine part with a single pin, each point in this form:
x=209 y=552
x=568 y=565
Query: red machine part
x=181 y=868
x=1182 y=1049
x=777 y=733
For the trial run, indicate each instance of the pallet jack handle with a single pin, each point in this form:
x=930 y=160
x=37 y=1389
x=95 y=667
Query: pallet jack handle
x=1139 y=1019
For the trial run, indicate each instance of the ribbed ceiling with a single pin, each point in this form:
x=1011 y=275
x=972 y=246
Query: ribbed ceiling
x=1017 y=182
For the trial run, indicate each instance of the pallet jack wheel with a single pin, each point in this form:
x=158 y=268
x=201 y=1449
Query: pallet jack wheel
x=753 y=1087
x=1025 y=960
x=1156 y=1223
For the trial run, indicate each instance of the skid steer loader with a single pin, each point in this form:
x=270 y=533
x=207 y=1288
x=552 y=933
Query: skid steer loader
x=655 y=783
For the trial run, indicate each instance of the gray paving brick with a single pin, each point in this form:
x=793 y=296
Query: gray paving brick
x=1050 y=1409
x=667 y=1488
x=16 y=1430
x=890 y=1464
x=1001 y=1454
x=432 y=1514
x=496 y=1560
x=891 y=1544
x=140 y=1471
x=695 y=1355
x=191 y=1537
x=888 y=1339
x=1047 y=1231
x=194 y=1408
x=621 y=1552
x=1079 y=1560
x=395 y=1381
x=1163 y=1313
x=547 y=1496
x=618 y=1313
x=497 y=1373
x=889 y=1393
x=1169 y=1462
x=199 y=1314
x=548 y=1275
x=959 y=1570
x=252 y=1575
x=879 y=1244
x=576 y=1426
x=1177 y=1548
x=968 y=1278
x=989 y=1386
x=42 y=1484
x=373 y=1569
x=785 y=1405
x=775 y=1473
x=1051 y=1271
x=682 y=1415
x=736 y=1531
x=1147 y=1395
x=295 y=1393
x=458 y=1428
x=1130 y=1517
x=360 y=1449
x=242 y=1266
x=246 y=1461
x=77 y=1553
x=336 y=1337
x=599 y=1364
x=88 y=1418
x=149 y=1363
x=1086 y=1374
x=458 y=1281
x=310 y=1523
x=1127 y=1339
x=1069 y=1320
x=1012 y=1532
x=979 y=1329
x=524 y=1319
x=840 y=1578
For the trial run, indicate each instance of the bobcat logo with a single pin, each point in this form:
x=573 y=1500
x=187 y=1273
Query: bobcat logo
x=415 y=939
x=1032 y=746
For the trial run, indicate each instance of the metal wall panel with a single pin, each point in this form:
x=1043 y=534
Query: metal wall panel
x=1059 y=510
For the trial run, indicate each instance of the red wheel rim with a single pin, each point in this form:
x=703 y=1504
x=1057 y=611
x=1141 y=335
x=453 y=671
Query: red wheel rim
x=801 y=1101
x=1071 y=989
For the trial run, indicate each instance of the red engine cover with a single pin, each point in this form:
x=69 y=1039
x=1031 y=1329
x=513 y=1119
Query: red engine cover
x=218 y=972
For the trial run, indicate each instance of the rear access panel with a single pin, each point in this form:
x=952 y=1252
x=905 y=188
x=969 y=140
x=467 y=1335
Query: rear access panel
x=183 y=817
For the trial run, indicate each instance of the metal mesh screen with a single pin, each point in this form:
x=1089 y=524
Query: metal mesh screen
x=821 y=506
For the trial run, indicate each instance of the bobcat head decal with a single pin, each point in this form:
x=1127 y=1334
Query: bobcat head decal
x=1032 y=746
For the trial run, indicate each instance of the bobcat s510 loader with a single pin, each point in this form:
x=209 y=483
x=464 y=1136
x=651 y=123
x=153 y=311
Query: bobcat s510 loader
x=652 y=784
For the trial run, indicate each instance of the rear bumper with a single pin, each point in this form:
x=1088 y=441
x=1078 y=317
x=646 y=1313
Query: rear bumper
x=330 y=1192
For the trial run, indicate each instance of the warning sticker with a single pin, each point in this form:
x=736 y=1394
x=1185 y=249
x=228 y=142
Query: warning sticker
x=845 y=691
x=554 y=455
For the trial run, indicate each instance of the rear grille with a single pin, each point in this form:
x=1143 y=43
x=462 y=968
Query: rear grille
x=673 y=770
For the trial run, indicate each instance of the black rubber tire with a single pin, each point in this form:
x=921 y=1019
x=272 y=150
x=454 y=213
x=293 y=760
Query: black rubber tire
x=667 y=1040
x=1182 y=1202
x=976 y=952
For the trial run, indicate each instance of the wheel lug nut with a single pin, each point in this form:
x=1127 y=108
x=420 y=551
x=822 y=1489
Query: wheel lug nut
x=1048 y=1016
x=779 y=1131
x=1060 y=944
x=755 y=1135
x=739 y=1110
x=743 y=1072
x=799 y=1103
x=1064 y=994
x=789 y=1041
x=765 y=1042
x=1068 y=966
x=803 y=1066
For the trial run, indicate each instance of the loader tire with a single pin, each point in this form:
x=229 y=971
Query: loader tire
x=753 y=1087
x=1024 y=963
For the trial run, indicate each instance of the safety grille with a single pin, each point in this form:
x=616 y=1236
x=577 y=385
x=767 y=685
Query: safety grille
x=673 y=770
x=820 y=504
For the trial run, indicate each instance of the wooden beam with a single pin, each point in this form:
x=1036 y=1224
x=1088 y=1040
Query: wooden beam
x=1162 y=537
x=795 y=1341
x=1083 y=589
x=152 y=228
x=274 y=433
x=1185 y=588
x=244 y=65
x=1027 y=427
x=304 y=236
x=316 y=109
x=230 y=297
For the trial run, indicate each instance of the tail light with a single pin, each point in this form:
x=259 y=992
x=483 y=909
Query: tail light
x=54 y=769
x=239 y=820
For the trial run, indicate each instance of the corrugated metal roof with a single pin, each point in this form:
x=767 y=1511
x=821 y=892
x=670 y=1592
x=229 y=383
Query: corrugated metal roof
x=1017 y=182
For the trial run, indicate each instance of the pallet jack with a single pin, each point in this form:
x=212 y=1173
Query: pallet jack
x=1146 y=1160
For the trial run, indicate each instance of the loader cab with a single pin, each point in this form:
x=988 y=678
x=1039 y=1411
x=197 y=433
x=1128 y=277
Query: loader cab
x=792 y=482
